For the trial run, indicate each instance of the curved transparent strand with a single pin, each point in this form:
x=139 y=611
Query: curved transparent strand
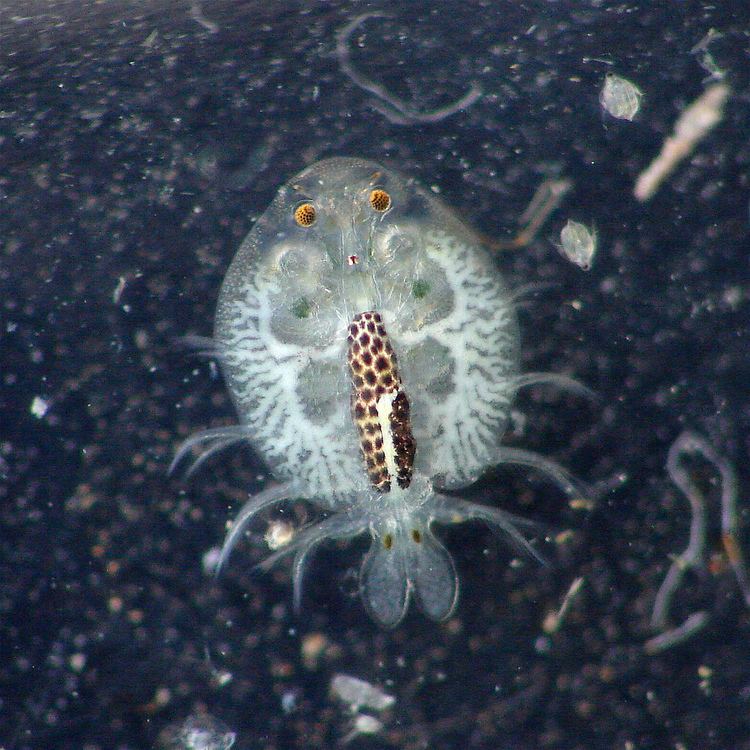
x=564 y=382
x=203 y=346
x=221 y=437
x=275 y=494
x=452 y=510
x=569 y=484
x=332 y=528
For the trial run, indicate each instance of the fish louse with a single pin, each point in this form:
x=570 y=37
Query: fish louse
x=372 y=386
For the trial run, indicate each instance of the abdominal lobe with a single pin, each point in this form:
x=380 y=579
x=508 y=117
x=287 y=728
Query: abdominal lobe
x=404 y=561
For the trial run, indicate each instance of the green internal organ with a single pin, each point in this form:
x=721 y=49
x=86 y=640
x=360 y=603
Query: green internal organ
x=420 y=288
x=301 y=308
x=380 y=407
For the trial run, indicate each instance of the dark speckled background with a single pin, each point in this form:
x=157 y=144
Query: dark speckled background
x=137 y=146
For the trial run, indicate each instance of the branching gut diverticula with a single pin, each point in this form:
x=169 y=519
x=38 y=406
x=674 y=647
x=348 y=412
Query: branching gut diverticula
x=371 y=349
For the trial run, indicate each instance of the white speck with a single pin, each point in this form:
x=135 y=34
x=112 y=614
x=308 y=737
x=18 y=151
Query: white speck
x=362 y=724
x=150 y=39
x=223 y=678
x=39 y=407
x=118 y=290
x=200 y=732
x=289 y=701
x=210 y=560
x=578 y=244
x=620 y=97
x=360 y=694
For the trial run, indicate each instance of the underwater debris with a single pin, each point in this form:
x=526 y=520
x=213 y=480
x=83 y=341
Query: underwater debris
x=198 y=732
x=358 y=693
x=196 y=13
x=675 y=636
x=691 y=127
x=278 y=534
x=620 y=97
x=396 y=110
x=39 y=406
x=554 y=620
x=690 y=443
x=578 y=244
x=362 y=724
x=547 y=197
x=707 y=61
x=314 y=646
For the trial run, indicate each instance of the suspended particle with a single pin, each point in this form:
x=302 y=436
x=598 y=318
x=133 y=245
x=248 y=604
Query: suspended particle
x=210 y=560
x=289 y=701
x=278 y=534
x=358 y=693
x=707 y=61
x=362 y=724
x=314 y=646
x=197 y=732
x=39 y=407
x=620 y=97
x=578 y=244
x=554 y=620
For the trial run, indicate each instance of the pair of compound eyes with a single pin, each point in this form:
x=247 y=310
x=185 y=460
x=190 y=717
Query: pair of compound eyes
x=305 y=214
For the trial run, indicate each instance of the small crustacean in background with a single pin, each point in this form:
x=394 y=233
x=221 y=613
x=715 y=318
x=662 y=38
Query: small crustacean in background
x=620 y=98
x=578 y=244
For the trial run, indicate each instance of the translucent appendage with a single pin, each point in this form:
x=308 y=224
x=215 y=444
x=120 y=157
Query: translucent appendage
x=451 y=510
x=211 y=442
x=383 y=583
x=563 y=382
x=204 y=346
x=275 y=494
x=569 y=484
x=433 y=575
x=337 y=526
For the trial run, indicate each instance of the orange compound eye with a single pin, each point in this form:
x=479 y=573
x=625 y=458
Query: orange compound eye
x=305 y=214
x=380 y=200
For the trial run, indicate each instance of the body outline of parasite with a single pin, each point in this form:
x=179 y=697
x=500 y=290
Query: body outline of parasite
x=370 y=346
